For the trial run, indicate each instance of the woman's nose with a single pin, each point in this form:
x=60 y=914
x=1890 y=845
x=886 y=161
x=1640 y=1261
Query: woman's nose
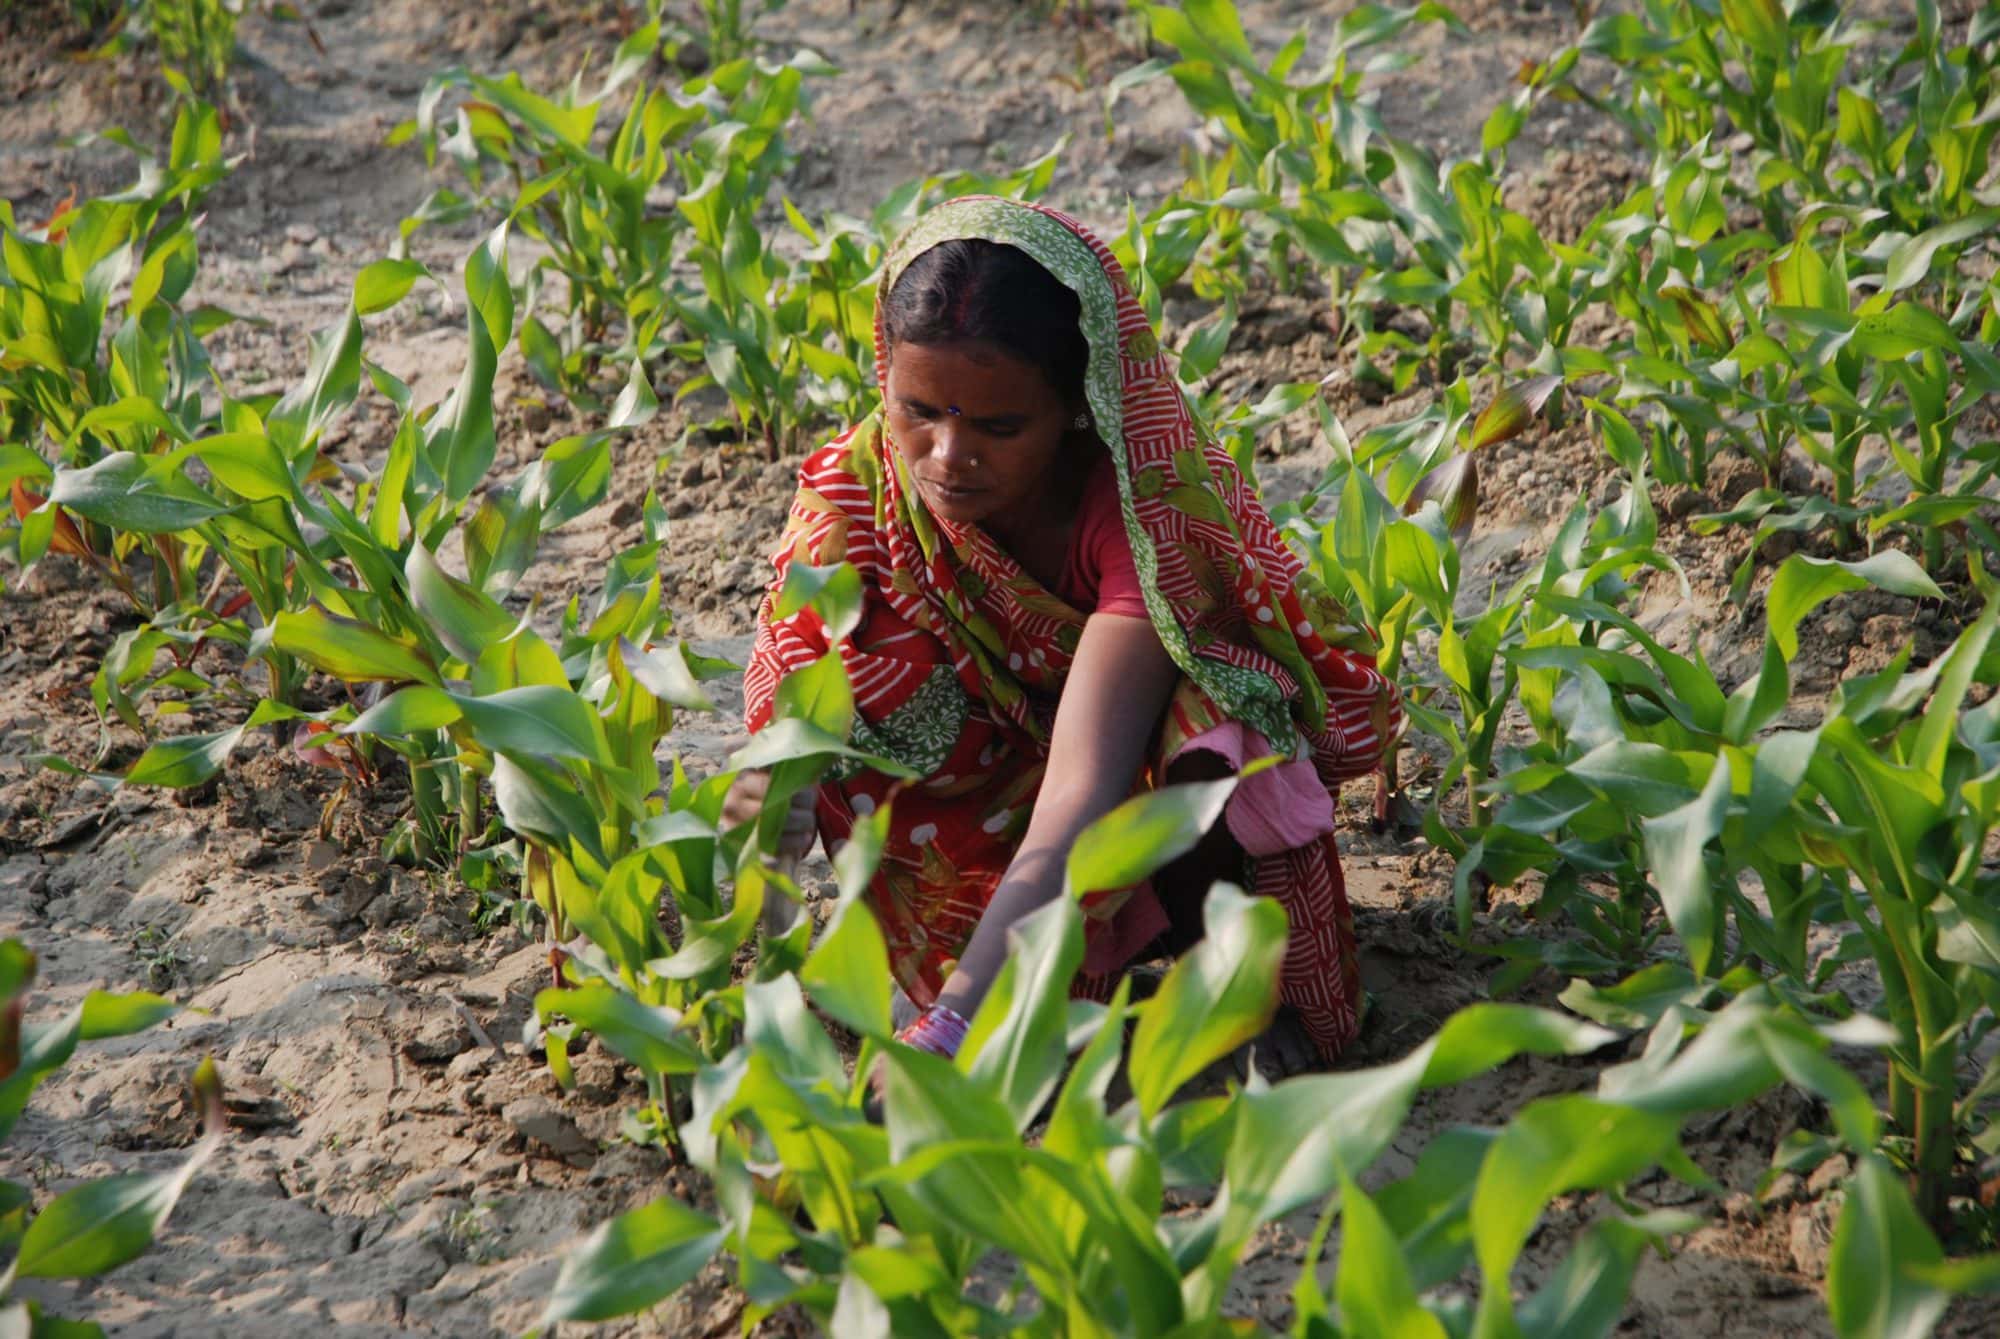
x=951 y=444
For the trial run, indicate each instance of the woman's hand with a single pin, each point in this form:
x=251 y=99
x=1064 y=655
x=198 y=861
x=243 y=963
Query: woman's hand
x=745 y=802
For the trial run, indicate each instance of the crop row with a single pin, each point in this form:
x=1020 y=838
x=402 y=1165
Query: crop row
x=1816 y=293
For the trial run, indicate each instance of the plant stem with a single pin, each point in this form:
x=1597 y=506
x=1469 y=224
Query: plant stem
x=1934 y=1128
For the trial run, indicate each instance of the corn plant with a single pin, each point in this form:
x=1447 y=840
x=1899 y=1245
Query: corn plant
x=79 y=381
x=1298 y=167
x=93 y=1228
x=1832 y=116
x=884 y=1226
x=1903 y=788
x=721 y=29
x=536 y=158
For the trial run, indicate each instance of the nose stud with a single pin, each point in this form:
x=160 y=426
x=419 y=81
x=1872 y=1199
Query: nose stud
x=954 y=410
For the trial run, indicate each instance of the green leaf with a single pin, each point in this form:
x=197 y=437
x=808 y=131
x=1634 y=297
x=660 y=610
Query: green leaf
x=541 y=803
x=246 y=463
x=1676 y=849
x=466 y=619
x=1573 y=1142
x=1804 y=582
x=540 y=719
x=1214 y=999
x=1910 y=263
x=141 y=495
x=848 y=973
x=648 y=1036
x=833 y=592
x=1373 y=1286
x=384 y=283
x=636 y=404
x=1589 y=1291
x=347 y=648
x=98 y=1227
x=1481 y=1036
x=1761 y=23
x=664 y=672
x=184 y=760
x=109 y=1015
x=413 y=709
x=1016 y=1046
x=795 y=740
x=633 y=1261
x=1144 y=834
x=1872 y=1291
x=819 y=694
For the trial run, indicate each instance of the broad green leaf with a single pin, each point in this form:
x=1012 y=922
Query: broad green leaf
x=664 y=672
x=1910 y=263
x=1804 y=582
x=1573 y=1142
x=1589 y=1291
x=649 y=1036
x=820 y=695
x=384 y=283
x=184 y=760
x=99 y=1226
x=1872 y=1289
x=245 y=463
x=833 y=592
x=119 y=1015
x=1144 y=834
x=142 y=495
x=539 y=802
x=1016 y=1046
x=794 y=740
x=1481 y=1036
x=633 y=1261
x=1676 y=849
x=465 y=619
x=847 y=973
x=636 y=404
x=1373 y=1286
x=413 y=709
x=537 y=718
x=1761 y=23
x=1216 y=997
x=347 y=648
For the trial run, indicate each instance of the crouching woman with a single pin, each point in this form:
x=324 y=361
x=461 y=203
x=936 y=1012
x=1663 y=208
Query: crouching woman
x=1071 y=596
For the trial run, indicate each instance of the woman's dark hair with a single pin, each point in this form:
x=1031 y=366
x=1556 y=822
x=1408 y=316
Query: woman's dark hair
x=968 y=288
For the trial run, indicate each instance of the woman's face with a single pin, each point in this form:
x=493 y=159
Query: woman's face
x=979 y=431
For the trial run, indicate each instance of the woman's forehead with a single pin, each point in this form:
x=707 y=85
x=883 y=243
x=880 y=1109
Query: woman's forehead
x=969 y=369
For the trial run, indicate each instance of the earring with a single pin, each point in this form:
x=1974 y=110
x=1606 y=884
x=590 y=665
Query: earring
x=1081 y=421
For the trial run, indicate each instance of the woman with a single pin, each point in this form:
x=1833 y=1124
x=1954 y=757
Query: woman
x=1071 y=595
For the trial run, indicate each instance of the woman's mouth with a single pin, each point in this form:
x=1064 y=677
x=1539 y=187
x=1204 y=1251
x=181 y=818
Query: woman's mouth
x=945 y=492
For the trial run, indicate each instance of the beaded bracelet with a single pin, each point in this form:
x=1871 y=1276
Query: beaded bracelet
x=938 y=1029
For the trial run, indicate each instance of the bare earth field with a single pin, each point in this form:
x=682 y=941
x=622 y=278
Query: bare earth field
x=403 y=1165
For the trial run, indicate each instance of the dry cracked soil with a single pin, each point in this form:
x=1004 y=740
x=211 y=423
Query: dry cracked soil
x=401 y=1163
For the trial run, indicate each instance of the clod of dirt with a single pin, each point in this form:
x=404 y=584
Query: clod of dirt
x=1811 y=1238
x=442 y=1036
x=541 y=1121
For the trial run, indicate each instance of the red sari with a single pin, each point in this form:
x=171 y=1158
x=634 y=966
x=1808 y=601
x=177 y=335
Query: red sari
x=960 y=655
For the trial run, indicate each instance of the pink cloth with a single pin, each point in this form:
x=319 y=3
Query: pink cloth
x=1274 y=810
x=1099 y=576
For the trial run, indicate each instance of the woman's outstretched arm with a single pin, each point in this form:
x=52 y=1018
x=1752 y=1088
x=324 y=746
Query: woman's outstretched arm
x=1110 y=710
